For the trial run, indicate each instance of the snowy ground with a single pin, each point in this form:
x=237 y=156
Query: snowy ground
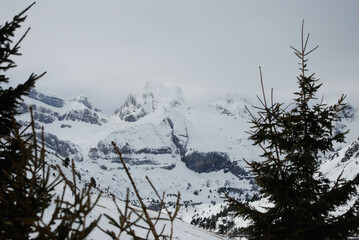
x=106 y=205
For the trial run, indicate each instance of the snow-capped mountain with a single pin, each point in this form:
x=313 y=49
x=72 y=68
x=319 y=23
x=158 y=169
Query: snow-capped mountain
x=195 y=149
x=152 y=98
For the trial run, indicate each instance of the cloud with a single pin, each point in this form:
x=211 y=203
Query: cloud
x=107 y=49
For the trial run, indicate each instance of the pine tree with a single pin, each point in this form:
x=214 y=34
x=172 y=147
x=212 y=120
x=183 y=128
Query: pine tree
x=293 y=138
x=27 y=188
x=10 y=98
x=34 y=195
x=12 y=164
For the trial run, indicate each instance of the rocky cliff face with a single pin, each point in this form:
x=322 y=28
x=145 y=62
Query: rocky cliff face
x=57 y=109
x=153 y=97
x=205 y=139
x=49 y=100
x=83 y=115
x=213 y=162
x=63 y=148
x=206 y=162
x=179 y=136
x=194 y=149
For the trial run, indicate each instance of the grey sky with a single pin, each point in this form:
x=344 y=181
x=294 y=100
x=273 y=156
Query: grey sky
x=107 y=49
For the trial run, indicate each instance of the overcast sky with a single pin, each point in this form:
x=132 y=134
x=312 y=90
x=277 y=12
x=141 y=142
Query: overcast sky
x=107 y=49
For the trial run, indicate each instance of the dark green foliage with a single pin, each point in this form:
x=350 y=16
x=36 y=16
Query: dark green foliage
x=221 y=222
x=28 y=189
x=34 y=195
x=23 y=192
x=292 y=139
x=10 y=98
x=27 y=182
x=13 y=153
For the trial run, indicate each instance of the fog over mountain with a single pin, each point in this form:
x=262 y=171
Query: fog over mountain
x=107 y=50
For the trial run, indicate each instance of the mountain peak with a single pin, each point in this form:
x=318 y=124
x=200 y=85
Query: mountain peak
x=50 y=100
x=82 y=99
x=232 y=104
x=152 y=97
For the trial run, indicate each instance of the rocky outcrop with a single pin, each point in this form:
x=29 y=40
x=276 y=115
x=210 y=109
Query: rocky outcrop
x=63 y=148
x=152 y=97
x=152 y=151
x=23 y=108
x=106 y=151
x=41 y=114
x=206 y=162
x=75 y=109
x=132 y=109
x=84 y=100
x=236 y=170
x=44 y=115
x=52 y=101
x=212 y=162
x=179 y=140
x=169 y=167
x=27 y=123
x=347 y=113
x=352 y=150
x=85 y=115
x=47 y=115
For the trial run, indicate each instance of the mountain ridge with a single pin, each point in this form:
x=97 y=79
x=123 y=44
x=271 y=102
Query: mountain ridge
x=196 y=149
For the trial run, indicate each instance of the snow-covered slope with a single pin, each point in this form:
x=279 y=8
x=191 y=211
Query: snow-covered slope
x=106 y=206
x=344 y=163
x=195 y=149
